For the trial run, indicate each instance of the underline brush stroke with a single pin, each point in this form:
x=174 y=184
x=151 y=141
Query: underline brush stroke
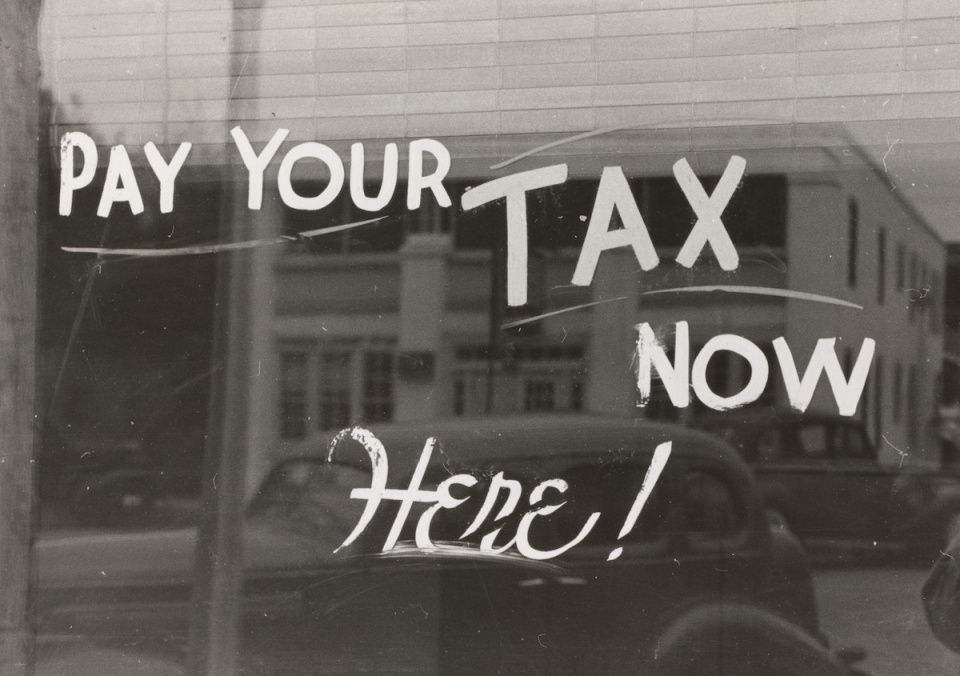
x=610 y=130
x=521 y=322
x=760 y=291
x=201 y=249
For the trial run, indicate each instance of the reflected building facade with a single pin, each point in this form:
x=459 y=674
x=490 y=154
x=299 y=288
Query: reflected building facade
x=402 y=319
x=388 y=327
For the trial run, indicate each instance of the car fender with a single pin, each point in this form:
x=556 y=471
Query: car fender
x=928 y=528
x=789 y=590
x=739 y=638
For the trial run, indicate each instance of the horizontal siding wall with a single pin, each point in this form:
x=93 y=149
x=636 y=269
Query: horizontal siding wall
x=133 y=71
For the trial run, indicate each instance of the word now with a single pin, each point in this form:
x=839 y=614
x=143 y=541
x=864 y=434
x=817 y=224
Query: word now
x=676 y=377
x=613 y=193
x=120 y=184
x=441 y=498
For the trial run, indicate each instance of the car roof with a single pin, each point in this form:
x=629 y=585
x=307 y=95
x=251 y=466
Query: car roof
x=490 y=439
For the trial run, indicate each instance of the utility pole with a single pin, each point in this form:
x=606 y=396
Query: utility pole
x=217 y=609
x=218 y=570
x=19 y=168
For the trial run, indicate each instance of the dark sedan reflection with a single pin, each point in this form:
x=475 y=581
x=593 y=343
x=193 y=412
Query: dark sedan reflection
x=703 y=585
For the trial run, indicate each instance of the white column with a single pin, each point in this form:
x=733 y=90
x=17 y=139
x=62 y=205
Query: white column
x=423 y=285
x=611 y=382
x=263 y=406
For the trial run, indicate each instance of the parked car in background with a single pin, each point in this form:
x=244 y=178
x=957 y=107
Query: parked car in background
x=97 y=481
x=819 y=475
x=703 y=585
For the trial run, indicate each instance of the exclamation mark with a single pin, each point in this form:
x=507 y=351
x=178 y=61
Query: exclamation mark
x=659 y=461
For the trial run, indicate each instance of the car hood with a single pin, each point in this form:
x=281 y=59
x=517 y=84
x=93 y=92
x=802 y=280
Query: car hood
x=162 y=557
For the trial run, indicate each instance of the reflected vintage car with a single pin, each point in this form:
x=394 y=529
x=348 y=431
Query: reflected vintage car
x=703 y=585
x=819 y=476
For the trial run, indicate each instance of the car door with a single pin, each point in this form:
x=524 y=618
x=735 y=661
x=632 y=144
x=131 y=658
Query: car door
x=870 y=510
x=794 y=471
x=841 y=494
x=605 y=595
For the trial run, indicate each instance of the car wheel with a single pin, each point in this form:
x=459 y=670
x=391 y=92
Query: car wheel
x=742 y=640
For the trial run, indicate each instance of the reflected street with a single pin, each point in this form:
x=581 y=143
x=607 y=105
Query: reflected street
x=880 y=611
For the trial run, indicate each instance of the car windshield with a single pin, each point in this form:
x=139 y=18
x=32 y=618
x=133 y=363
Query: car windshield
x=310 y=496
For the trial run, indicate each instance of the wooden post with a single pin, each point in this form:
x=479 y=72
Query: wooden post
x=19 y=80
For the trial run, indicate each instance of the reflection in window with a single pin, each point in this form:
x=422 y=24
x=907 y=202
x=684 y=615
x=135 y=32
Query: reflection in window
x=313 y=494
x=935 y=301
x=813 y=440
x=853 y=233
x=459 y=397
x=329 y=386
x=769 y=446
x=611 y=489
x=538 y=395
x=333 y=391
x=540 y=377
x=576 y=396
x=383 y=236
x=377 y=386
x=897 y=392
x=913 y=428
x=913 y=292
x=851 y=443
x=293 y=395
x=878 y=398
x=881 y=266
x=558 y=216
x=711 y=508
x=901 y=267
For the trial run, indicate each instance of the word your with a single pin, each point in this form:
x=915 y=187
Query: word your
x=441 y=498
x=612 y=193
x=120 y=184
x=677 y=376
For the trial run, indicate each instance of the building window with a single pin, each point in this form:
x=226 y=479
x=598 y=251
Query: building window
x=936 y=303
x=913 y=293
x=329 y=386
x=897 y=392
x=293 y=395
x=913 y=427
x=576 y=396
x=333 y=389
x=853 y=232
x=719 y=373
x=459 y=397
x=878 y=400
x=901 y=268
x=383 y=236
x=536 y=377
x=377 y=386
x=773 y=378
x=865 y=400
x=924 y=287
x=538 y=395
x=557 y=217
x=881 y=266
